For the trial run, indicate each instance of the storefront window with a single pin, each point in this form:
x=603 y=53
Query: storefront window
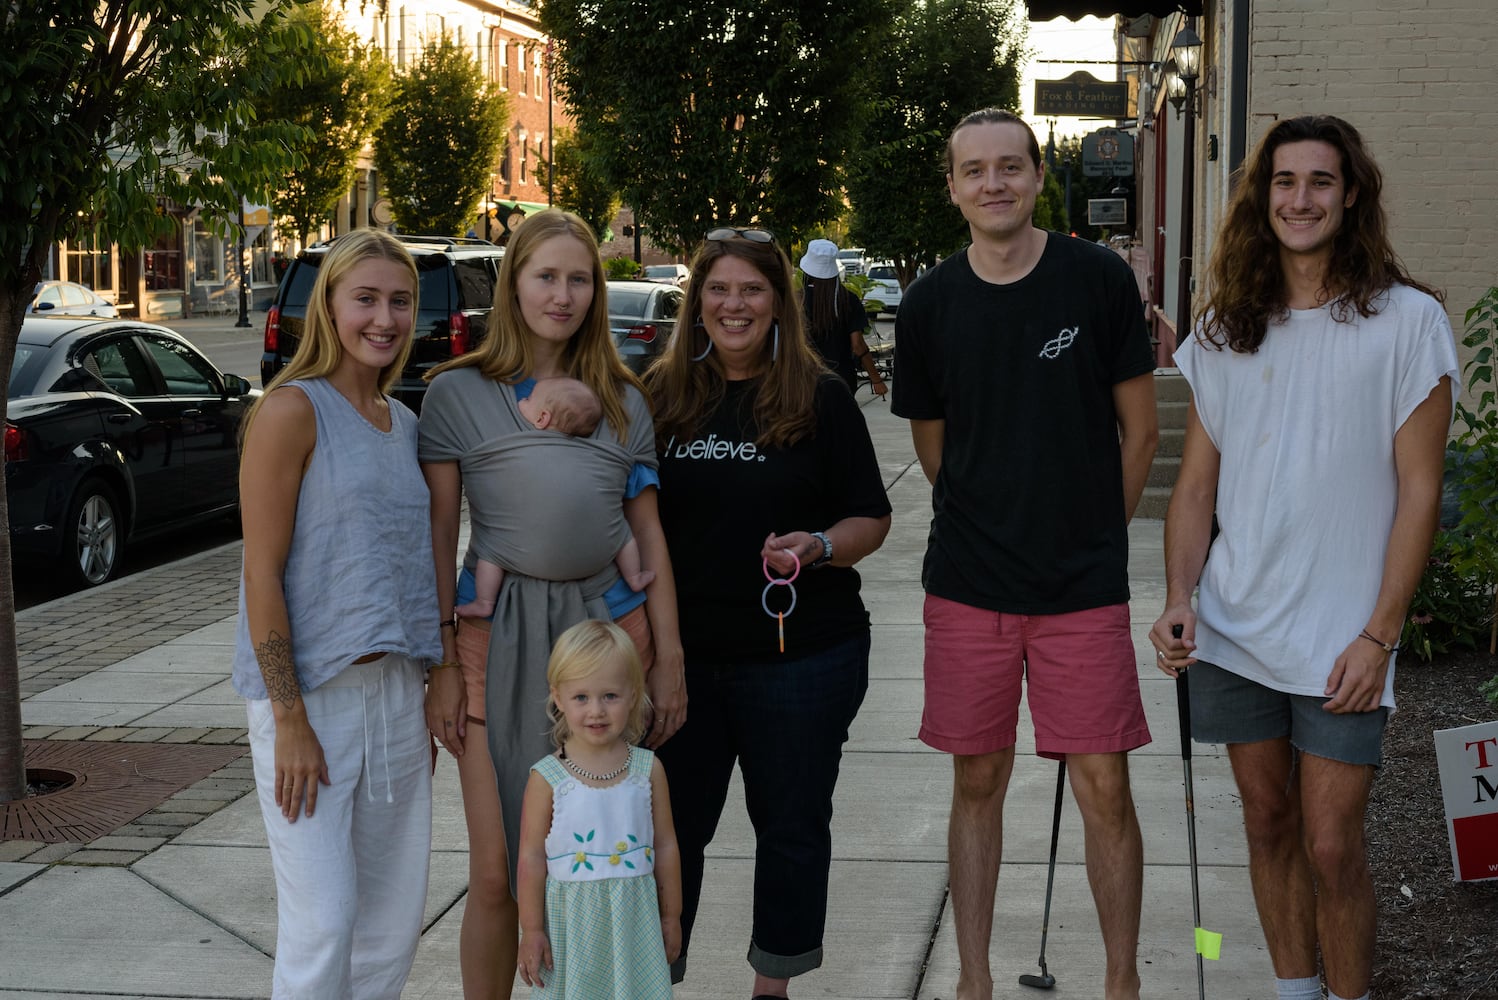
x=89 y=263
x=206 y=253
x=163 y=263
x=260 y=265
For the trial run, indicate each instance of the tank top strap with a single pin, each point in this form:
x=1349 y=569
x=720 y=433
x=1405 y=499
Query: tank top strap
x=641 y=762
x=550 y=768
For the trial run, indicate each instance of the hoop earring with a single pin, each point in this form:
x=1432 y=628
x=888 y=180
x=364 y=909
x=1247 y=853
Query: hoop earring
x=775 y=344
x=709 y=348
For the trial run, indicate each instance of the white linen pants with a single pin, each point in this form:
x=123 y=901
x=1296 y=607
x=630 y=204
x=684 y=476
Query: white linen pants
x=351 y=880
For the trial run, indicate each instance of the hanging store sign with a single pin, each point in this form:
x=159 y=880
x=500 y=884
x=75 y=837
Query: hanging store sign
x=1082 y=95
x=1108 y=153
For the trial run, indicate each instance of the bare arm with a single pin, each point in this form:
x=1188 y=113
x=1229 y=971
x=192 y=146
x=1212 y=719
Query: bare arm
x=447 y=698
x=666 y=682
x=1138 y=435
x=866 y=362
x=530 y=880
x=667 y=862
x=852 y=538
x=1356 y=683
x=1188 y=532
x=929 y=436
x=276 y=453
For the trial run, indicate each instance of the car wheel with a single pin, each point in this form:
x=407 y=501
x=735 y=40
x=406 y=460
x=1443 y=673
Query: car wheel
x=93 y=539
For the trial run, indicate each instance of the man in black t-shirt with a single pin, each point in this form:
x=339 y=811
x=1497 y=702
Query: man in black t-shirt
x=1026 y=372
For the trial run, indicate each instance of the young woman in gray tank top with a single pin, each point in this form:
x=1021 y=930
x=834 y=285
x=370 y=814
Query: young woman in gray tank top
x=337 y=626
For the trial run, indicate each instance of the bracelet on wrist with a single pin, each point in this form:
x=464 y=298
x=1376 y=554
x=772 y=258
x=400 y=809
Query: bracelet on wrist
x=450 y=622
x=1385 y=646
x=443 y=665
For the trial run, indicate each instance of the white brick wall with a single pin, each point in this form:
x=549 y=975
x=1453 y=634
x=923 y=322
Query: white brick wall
x=1419 y=79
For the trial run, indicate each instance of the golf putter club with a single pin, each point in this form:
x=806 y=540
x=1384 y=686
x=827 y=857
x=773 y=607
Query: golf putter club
x=1183 y=709
x=1045 y=980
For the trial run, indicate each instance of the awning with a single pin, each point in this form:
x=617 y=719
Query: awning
x=1045 y=10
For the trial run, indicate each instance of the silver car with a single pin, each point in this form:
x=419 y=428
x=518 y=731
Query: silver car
x=642 y=317
x=68 y=298
x=884 y=288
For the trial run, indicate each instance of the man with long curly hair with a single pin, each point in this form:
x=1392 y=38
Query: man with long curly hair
x=1321 y=375
x=1026 y=373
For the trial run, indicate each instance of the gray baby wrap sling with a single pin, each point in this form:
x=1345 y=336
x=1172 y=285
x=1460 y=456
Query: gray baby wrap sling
x=548 y=508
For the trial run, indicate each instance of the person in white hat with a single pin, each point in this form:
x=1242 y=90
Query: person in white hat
x=835 y=317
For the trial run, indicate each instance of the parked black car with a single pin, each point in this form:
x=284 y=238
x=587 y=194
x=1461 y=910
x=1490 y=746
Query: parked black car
x=456 y=292
x=114 y=430
x=642 y=318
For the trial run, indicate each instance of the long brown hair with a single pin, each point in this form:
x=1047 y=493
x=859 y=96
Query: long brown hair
x=589 y=356
x=319 y=352
x=687 y=391
x=1245 y=281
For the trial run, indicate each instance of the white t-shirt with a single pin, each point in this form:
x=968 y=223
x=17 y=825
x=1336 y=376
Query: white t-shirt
x=1307 y=486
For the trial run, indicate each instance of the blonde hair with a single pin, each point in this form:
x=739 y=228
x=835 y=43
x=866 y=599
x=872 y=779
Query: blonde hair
x=589 y=356
x=582 y=651
x=686 y=391
x=319 y=352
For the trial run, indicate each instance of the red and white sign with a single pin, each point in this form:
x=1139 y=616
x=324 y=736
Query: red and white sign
x=1468 y=760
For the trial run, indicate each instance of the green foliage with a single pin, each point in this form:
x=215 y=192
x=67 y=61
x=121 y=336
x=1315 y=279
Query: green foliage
x=1450 y=608
x=736 y=112
x=439 y=142
x=110 y=110
x=1479 y=473
x=947 y=58
x=621 y=268
x=341 y=101
x=1050 y=213
x=579 y=186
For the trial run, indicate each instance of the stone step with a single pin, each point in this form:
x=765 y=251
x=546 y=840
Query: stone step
x=1153 y=502
x=1163 y=471
x=1172 y=441
x=1172 y=387
x=1171 y=414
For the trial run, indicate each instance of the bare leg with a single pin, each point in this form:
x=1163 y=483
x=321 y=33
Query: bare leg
x=487 y=577
x=628 y=561
x=975 y=835
x=490 y=935
x=1334 y=799
x=1269 y=785
x=1115 y=862
x=767 y=987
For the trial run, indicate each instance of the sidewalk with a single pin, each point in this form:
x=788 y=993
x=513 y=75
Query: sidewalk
x=180 y=903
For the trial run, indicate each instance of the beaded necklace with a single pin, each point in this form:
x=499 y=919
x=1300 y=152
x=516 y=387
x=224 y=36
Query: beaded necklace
x=573 y=766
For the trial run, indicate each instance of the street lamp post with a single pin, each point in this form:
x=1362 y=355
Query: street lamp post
x=1185 y=50
x=244 y=292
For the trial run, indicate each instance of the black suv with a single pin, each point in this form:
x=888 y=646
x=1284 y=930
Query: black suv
x=457 y=291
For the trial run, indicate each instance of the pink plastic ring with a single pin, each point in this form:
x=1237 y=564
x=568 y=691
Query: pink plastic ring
x=781 y=580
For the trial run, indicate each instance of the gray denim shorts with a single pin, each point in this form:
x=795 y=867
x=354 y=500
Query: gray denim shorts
x=1227 y=708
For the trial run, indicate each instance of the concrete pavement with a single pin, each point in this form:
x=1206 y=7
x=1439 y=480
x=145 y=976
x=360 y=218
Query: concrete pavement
x=180 y=903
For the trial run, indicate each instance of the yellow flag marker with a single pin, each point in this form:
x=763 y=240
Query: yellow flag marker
x=1208 y=944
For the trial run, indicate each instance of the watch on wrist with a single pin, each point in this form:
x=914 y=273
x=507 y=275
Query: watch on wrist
x=826 y=556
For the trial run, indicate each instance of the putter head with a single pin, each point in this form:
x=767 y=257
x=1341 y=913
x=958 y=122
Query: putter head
x=1044 y=981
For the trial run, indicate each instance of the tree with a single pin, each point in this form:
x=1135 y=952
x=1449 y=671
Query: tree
x=1050 y=213
x=578 y=185
x=440 y=141
x=948 y=57
x=341 y=102
x=109 y=108
x=736 y=112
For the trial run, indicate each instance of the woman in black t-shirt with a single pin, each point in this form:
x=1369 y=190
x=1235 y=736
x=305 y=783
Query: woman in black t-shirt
x=767 y=471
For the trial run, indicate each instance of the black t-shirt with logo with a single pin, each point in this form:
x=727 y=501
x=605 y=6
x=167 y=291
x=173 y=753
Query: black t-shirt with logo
x=722 y=495
x=1028 y=505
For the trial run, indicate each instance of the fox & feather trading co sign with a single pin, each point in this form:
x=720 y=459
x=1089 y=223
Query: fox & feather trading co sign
x=1082 y=95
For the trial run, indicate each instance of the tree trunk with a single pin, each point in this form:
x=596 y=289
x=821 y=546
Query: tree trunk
x=12 y=760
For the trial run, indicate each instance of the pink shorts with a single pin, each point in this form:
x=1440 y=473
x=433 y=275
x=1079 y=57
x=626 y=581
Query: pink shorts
x=1078 y=668
x=473 y=653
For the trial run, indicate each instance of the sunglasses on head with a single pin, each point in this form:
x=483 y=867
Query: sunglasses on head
x=730 y=232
